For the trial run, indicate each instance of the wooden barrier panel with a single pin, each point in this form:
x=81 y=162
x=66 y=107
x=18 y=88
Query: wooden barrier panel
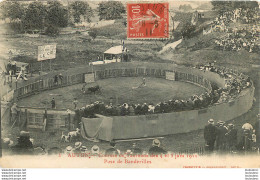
x=56 y=119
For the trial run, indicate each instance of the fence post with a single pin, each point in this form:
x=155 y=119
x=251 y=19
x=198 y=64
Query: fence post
x=26 y=118
x=69 y=121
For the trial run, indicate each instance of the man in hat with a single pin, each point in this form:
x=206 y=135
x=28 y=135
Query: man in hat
x=210 y=134
x=7 y=143
x=53 y=103
x=143 y=82
x=83 y=149
x=135 y=150
x=257 y=128
x=112 y=150
x=14 y=111
x=247 y=136
x=68 y=150
x=75 y=103
x=156 y=149
x=247 y=127
x=221 y=136
x=24 y=145
x=95 y=150
x=231 y=137
x=77 y=147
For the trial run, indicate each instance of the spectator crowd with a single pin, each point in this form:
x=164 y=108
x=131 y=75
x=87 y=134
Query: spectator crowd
x=224 y=137
x=245 y=36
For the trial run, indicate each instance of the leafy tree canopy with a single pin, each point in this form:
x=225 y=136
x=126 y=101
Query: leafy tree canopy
x=11 y=10
x=57 y=14
x=34 y=16
x=110 y=10
x=222 y=6
x=80 y=9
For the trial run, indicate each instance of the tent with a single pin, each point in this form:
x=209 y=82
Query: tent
x=116 y=54
x=97 y=128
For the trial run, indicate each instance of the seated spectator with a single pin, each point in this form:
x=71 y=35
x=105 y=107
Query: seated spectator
x=156 y=149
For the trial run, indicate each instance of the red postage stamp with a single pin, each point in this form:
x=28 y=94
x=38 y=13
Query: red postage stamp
x=147 y=20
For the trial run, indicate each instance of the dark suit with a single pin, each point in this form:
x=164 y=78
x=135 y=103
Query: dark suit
x=210 y=134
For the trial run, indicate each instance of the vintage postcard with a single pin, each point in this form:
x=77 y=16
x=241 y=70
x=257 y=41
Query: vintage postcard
x=129 y=84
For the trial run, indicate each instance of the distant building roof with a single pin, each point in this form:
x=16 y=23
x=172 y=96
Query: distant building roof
x=115 y=50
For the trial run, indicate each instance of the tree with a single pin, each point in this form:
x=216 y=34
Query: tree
x=34 y=16
x=52 y=30
x=188 y=30
x=80 y=9
x=57 y=15
x=12 y=10
x=93 y=34
x=110 y=10
x=223 y=6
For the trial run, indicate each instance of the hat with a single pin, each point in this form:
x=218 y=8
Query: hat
x=83 y=149
x=156 y=142
x=10 y=143
x=128 y=151
x=211 y=121
x=95 y=149
x=221 y=122
x=69 y=148
x=231 y=125
x=112 y=143
x=24 y=134
x=6 y=140
x=78 y=145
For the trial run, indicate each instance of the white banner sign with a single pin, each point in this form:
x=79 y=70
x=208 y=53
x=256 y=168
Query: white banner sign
x=170 y=75
x=89 y=78
x=46 y=52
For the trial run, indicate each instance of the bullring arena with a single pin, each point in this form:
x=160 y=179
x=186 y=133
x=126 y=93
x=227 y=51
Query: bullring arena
x=167 y=91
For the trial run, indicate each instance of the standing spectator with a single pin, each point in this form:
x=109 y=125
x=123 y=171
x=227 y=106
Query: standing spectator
x=61 y=78
x=247 y=129
x=210 y=134
x=156 y=149
x=112 y=150
x=257 y=128
x=231 y=137
x=221 y=136
x=53 y=103
x=55 y=79
x=75 y=103
x=44 y=122
x=14 y=111
x=9 y=68
x=77 y=118
x=144 y=81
